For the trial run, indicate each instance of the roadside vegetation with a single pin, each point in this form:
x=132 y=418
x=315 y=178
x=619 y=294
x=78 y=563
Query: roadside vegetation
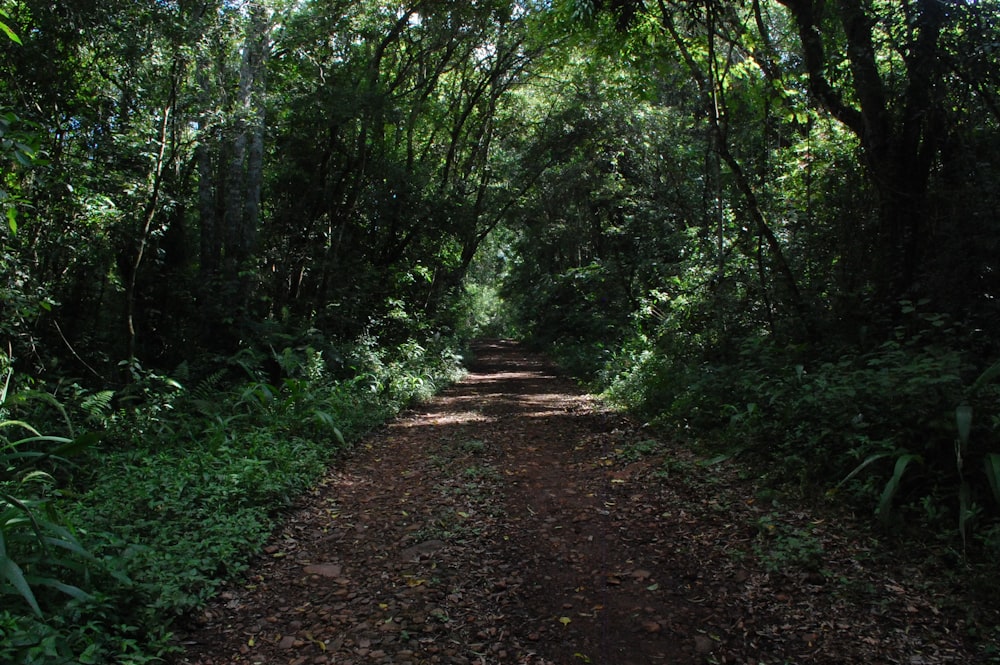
x=118 y=526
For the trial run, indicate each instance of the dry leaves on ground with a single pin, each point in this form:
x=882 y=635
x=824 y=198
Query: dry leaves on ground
x=513 y=519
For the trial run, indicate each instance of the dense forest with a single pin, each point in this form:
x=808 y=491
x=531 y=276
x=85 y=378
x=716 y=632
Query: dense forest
x=238 y=234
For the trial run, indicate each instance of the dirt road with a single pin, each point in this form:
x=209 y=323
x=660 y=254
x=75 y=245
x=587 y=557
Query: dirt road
x=513 y=519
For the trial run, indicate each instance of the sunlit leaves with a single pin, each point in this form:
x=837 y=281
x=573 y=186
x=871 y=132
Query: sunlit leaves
x=11 y=35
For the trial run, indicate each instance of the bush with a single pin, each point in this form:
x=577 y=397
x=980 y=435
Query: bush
x=874 y=426
x=183 y=489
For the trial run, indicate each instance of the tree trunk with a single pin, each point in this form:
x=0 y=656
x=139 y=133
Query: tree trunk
x=211 y=248
x=149 y=215
x=710 y=83
x=899 y=149
x=245 y=170
x=255 y=157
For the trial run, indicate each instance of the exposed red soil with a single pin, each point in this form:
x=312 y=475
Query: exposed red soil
x=513 y=519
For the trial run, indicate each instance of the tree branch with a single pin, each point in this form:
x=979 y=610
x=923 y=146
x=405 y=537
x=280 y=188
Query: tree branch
x=814 y=55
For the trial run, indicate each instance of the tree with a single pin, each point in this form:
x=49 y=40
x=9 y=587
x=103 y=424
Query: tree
x=392 y=124
x=897 y=113
x=891 y=74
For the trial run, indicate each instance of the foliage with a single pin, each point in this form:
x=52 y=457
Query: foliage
x=52 y=582
x=875 y=425
x=219 y=477
x=40 y=557
x=786 y=549
x=184 y=489
x=721 y=247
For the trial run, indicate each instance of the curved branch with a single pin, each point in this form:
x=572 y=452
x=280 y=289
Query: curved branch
x=814 y=55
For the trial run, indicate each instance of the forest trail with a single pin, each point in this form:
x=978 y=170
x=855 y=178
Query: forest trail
x=513 y=519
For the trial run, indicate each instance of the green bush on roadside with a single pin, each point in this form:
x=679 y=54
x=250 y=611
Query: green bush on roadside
x=184 y=487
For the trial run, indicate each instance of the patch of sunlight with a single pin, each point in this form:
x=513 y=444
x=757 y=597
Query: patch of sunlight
x=438 y=419
x=545 y=399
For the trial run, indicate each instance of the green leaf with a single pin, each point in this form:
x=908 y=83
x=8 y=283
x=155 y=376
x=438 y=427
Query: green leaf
x=718 y=459
x=963 y=419
x=91 y=655
x=37 y=474
x=988 y=375
x=10 y=33
x=992 y=466
x=35 y=439
x=67 y=542
x=77 y=445
x=50 y=399
x=889 y=492
x=19 y=423
x=868 y=460
x=24 y=507
x=13 y=574
x=68 y=589
x=12 y=219
x=964 y=512
x=327 y=420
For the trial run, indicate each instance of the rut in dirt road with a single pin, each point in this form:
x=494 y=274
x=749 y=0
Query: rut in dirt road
x=514 y=520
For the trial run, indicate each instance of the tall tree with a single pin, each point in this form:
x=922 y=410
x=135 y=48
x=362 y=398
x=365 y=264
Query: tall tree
x=892 y=99
x=400 y=116
x=890 y=73
x=244 y=175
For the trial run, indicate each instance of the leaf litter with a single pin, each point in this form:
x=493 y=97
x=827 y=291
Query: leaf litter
x=513 y=519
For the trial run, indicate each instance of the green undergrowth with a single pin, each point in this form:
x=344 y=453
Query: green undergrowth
x=179 y=482
x=904 y=430
x=907 y=429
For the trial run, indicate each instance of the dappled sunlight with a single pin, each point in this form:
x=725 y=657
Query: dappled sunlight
x=438 y=419
x=546 y=402
x=450 y=402
x=504 y=376
x=342 y=479
x=546 y=398
x=547 y=413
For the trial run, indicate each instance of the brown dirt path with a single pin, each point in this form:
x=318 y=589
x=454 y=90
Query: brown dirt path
x=514 y=520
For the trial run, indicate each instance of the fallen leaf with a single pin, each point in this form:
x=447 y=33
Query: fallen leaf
x=703 y=645
x=652 y=627
x=324 y=570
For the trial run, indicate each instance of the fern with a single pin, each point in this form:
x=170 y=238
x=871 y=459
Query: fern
x=205 y=395
x=97 y=405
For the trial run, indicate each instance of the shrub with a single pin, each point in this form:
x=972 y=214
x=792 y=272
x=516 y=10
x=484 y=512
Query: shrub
x=182 y=489
x=876 y=426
